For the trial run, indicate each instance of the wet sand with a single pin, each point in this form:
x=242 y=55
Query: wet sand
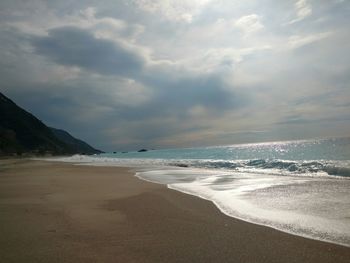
x=56 y=212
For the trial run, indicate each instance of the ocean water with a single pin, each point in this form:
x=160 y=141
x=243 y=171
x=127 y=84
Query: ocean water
x=299 y=187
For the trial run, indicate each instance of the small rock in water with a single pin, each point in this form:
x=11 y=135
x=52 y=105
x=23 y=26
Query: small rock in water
x=182 y=165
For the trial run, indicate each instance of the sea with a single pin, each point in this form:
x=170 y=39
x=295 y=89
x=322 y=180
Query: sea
x=299 y=187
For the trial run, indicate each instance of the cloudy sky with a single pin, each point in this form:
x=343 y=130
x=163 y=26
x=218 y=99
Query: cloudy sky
x=125 y=74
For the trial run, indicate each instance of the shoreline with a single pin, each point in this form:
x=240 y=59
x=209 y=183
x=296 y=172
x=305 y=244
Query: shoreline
x=221 y=208
x=67 y=213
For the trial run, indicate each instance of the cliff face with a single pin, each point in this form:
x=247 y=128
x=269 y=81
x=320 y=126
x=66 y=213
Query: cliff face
x=21 y=132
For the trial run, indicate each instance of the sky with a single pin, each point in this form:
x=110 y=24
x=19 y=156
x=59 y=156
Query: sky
x=132 y=74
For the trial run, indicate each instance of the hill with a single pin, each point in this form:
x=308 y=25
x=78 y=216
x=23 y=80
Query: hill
x=76 y=144
x=21 y=132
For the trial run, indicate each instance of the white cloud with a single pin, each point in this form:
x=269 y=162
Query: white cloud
x=105 y=27
x=174 y=10
x=303 y=9
x=222 y=59
x=298 y=41
x=249 y=24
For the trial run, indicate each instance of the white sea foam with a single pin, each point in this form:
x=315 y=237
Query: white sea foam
x=93 y=160
x=239 y=195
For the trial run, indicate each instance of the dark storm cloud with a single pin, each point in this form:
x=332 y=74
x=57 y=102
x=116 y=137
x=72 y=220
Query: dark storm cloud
x=174 y=93
x=205 y=90
x=176 y=97
x=73 y=46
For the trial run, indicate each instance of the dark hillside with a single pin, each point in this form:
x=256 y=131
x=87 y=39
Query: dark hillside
x=21 y=132
x=78 y=145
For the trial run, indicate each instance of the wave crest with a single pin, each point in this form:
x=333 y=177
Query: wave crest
x=276 y=166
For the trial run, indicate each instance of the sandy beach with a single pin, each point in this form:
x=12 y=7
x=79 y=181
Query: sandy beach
x=58 y=212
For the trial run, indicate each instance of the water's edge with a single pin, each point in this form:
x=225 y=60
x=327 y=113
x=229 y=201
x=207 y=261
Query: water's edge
x=218 y=206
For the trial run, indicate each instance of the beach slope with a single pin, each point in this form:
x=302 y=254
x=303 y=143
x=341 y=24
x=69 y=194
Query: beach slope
x=57 y=212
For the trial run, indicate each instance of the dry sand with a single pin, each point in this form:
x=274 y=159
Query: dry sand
x=55 y=212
